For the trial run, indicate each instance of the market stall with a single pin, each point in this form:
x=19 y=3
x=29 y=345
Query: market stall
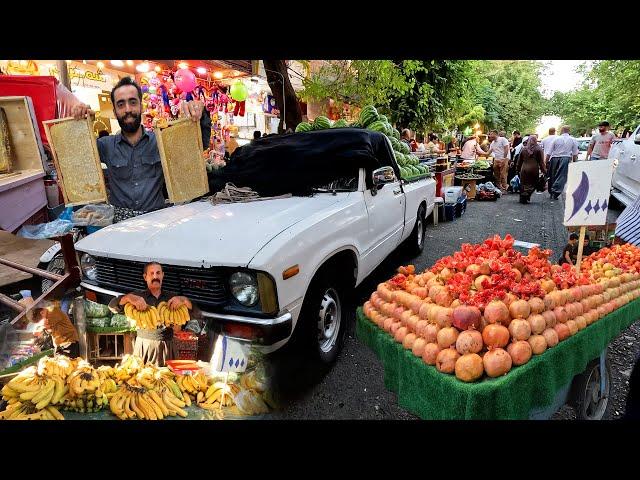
x=489 y=333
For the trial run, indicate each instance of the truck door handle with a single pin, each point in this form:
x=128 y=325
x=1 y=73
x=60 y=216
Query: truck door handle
x=397 y=192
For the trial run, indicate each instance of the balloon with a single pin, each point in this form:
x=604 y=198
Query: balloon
x=185 y=80
x=152 y=90
x=239 y=92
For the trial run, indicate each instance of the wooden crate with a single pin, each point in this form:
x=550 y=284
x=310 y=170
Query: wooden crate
x=77 y=161
x=109 y=347
x=185 y=173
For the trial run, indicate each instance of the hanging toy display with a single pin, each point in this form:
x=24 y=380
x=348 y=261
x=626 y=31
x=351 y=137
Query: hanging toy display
x=239 y=93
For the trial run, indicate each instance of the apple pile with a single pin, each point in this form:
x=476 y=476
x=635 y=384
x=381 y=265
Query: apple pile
x=488 y=308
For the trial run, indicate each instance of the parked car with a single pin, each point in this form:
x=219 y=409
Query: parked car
x=277 y=268
x=626 y=175
x=583 y=146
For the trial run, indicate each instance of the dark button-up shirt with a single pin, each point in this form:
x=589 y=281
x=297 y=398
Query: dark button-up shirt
x=135 y=172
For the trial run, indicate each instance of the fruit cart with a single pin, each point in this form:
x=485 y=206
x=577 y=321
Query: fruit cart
x=574 y=372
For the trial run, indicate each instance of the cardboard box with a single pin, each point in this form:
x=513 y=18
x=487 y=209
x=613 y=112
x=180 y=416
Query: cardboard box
x=453 y=194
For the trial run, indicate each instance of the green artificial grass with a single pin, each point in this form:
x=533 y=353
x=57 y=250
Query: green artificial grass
x=430 y=394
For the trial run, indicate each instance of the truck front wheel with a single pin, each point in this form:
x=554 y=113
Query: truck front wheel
x=323 y=317
x=415 y=243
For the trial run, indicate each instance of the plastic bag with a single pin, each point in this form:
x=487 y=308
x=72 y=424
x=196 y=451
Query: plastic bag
x=94 y=215
x=67 y=214
x=515 y=183
x=96 y=310
x=250 y=402
x=45 y=230
x=119 y=321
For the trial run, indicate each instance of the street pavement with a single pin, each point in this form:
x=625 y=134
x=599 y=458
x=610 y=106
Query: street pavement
x=354 y=387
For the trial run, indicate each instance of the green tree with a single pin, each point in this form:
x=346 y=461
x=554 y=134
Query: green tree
x=509 y=92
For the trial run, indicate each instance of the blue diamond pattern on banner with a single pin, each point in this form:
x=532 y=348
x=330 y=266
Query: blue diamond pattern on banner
x=604 y=205
x=237 y=363
x=588 y=208
x=596 y=207
x=230 y=362
x=242 y=363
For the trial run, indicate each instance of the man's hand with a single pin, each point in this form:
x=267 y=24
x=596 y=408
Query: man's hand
x=136 y=301
x=178 y=301
x=192 y=110
x=81 y=111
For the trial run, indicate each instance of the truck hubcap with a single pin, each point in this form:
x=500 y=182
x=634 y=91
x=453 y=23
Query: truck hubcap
x=329 y=318
x=420 y=231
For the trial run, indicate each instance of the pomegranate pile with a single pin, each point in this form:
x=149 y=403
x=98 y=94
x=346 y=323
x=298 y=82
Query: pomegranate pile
x=489 y=308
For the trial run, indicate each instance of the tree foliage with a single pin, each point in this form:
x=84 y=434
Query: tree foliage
x=436 y=94
x=609 y=92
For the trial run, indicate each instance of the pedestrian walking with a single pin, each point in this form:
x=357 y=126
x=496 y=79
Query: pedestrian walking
x=499 y=148
x=530 y=163
x=548 y=140
x=600 y=143
x=562 y=151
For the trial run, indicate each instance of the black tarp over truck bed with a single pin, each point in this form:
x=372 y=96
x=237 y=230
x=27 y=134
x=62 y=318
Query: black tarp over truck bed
x=297 y=162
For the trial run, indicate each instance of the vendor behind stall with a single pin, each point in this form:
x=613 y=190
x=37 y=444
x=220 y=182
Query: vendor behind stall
x=55 y=322
x=155 y=346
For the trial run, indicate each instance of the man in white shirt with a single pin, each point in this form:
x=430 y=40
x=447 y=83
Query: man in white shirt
x=558 y=155
x=548 y=140
x=499 y=148
x=471 y=149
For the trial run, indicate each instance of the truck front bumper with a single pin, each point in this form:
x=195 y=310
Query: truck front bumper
x=261 y=331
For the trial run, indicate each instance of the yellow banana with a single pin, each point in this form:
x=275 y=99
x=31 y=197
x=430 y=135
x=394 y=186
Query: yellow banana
x=174 y=404
x=187 y=400
x=114 y=404
x=156 y=408
x=9 y=392
x=199 y=398
x=55 y=412
x=146 y=407
x=30 y=395
x=156 y=398
x=127 y=410
x=46 y=399
x=136 y=408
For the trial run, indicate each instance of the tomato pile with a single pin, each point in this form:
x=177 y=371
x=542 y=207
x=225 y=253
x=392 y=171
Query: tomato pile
x=488 y=307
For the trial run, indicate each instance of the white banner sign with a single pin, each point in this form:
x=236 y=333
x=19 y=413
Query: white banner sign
x=229 y=355
x=588 y=190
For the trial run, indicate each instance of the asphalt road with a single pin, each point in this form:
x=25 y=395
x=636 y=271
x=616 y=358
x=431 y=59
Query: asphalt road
x=354 y=387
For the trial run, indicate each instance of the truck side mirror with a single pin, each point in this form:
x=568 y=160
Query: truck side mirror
x=382 y=176
x=637 y=139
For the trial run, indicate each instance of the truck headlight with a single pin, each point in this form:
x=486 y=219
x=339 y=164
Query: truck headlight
x=88 y=266
x=244 y=288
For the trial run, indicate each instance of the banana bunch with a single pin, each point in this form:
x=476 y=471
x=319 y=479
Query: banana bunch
x=193 y=384
x=218 y=395
x=168 y=316
x=131 y=402
x=127 y=368
x=86 y=390
x=106 y=372
x=28 y=411
x=87 y=403
x=147 y=319
x=109 y=387
x=40 y=390
x=58 y=366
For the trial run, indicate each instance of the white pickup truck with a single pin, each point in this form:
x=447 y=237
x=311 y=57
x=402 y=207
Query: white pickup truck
x=626 y=176
x=266 y=270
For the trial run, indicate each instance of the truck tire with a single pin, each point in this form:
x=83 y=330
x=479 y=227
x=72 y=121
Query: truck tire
x=56 y=265
x=587 y=397
x=323 y=317
x=415 y=242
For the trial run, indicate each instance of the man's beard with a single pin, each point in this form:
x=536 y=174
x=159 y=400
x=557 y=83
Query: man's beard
x=130 y=127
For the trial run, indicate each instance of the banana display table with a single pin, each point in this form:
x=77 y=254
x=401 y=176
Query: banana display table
x=195 y=413
x=532 y=387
